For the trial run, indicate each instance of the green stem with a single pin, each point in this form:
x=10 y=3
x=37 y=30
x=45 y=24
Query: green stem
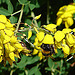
x=26 y=72
x=25 y=29
x=52 y=73
x=48 y=18
x=46 y=31
x=19 y=19
x=11 y=72
x=29 y=42
x=32 y=14
x=61 y=67
x=15 y=12
x=52 y=70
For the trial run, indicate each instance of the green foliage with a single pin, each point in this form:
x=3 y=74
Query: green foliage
x=74 y=1
x=32 y=65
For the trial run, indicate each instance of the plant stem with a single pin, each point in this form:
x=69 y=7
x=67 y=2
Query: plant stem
x=32 y=14
x=48 y=18
x=29 y=42
x=61 y=67
x=11 y=72
x=19 y=19
x=15 y=12
x=52 y=73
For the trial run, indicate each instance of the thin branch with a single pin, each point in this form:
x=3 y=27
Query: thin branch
x=16 y=12
x=19 y=19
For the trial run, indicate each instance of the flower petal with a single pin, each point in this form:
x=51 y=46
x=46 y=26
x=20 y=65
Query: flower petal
x=59 y=35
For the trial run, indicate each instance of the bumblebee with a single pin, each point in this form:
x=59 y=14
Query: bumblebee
x=47 y=49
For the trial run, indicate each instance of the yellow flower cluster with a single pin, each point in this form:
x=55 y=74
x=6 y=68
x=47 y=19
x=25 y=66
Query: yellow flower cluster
x=64 y=40
x=9 y=45
x=65 y=15
x=41 y=38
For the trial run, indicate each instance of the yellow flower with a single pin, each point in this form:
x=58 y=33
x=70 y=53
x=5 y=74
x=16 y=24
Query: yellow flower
x=1 y=53
x=7 y=39
x=9 y=32
x=70 y=39
x=18 y=45
x=0 y=59
x=48 y=39
x=9 y=45
x=66 y=25
x=66 y=30
x=8 y=25
x=73 y=30
x=37 y=17
x=59 y=21
x=69 y=21
x=58 y=44
x=59 y=35
x=3 y=19
x=29 y=33
x=13 y=39
x=71 y=8
x=41 y=55
x=11 y=55
x=72 y=50
x=65 y=13
x=50 y=27
x=40 y=36
x=35 y=51
x=36 y=29
x=63 y=8
x=2 y=26
x=66 y=49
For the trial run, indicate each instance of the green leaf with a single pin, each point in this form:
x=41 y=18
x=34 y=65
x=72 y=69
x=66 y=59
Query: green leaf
x=37 y=4
x=22 y=1
x=26 y=9
x=48 y=69
x=28 y=21
x=4 y=12
x=39 y=23
x=59 y=52
x=62 y=55
x=10 y=6
x=74 y=16
x=25 y=2
x=32 y=38
x=0 y=2
x=3 y=1
x=13 y=19
x=21 y=64
x=32 y=60
x=55 y=65
x=38 y=72
x=35 y=59
x=74 y=1
x=33 y=70
x=59 y=63
x=21 y=73
x=50 y=62
x=32 y=6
